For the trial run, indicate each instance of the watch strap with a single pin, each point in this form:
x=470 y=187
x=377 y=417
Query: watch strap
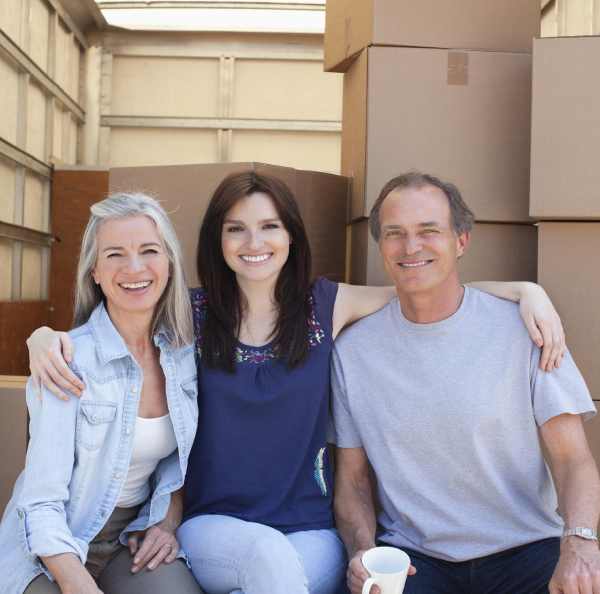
x=582 y=532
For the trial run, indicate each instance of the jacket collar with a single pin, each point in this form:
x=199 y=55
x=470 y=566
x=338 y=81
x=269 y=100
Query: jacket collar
x=109 y=343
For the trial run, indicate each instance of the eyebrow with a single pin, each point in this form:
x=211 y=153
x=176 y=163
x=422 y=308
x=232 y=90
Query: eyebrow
x=273 y=220
x=120 y=247
x=425 y=224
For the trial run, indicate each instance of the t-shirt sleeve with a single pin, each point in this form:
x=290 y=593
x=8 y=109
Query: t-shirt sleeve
x=344 y=432
x=561 y=391
x=324 y=293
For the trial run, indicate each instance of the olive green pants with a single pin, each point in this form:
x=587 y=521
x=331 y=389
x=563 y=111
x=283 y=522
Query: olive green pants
x=109 y=563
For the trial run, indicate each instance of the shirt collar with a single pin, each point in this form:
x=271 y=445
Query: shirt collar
x=109 y=343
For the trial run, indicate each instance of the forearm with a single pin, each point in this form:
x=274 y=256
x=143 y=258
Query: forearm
x=68 y=572
x=355 y=517
x=578 y=488
x=511 y=291
x=175 y=512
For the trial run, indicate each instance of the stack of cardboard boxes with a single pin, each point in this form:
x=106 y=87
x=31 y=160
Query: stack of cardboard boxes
x=565 y=191
x=443 y=87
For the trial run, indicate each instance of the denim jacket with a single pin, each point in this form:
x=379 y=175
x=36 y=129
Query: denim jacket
x=79 y=452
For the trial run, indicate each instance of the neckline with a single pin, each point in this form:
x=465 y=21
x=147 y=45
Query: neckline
x=438 y=326
x=145 y=419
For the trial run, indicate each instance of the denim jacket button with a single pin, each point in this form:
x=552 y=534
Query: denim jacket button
x=117 y=475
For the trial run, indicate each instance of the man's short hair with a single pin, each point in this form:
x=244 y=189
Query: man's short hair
x=461 y=215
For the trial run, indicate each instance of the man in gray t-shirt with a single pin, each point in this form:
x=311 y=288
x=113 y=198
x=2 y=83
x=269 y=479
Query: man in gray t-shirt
x=441 y=393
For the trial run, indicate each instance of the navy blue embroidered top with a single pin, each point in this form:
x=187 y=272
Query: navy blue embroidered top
x=260 y=452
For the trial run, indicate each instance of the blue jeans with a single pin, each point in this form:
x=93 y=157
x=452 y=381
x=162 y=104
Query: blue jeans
x=523 y=570
x=232 y=555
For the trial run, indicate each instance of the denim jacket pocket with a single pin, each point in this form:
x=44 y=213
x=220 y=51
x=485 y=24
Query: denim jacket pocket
x=93 y=422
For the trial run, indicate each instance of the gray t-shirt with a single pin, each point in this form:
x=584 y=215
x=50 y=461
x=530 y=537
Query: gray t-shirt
x=448 y=415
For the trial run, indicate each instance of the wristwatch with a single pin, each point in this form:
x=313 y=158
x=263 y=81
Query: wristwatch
x=587 y=533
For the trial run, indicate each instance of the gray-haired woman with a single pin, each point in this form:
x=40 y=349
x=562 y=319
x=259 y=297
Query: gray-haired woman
x=98 y=502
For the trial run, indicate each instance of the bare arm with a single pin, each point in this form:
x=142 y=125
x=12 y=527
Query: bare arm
x=354 y=510
x=70 y=575
x=539 y=315
x=578 y=487
x=49 y=353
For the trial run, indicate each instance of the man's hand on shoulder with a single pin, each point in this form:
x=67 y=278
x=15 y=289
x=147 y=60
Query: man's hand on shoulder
x=578 y=568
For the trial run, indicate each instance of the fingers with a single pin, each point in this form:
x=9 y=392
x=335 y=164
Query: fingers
x=534 y=332
x=47 y=383
x=66 y=346
x=356 y=575
x=133 y=543
x=157 y=546
x=412 y=570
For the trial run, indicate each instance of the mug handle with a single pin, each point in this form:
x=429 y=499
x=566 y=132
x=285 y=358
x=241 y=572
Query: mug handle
x=367 y=585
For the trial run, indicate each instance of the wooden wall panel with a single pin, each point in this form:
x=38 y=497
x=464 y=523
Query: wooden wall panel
x=10 y=19
x=36 y=122
x=17 y=321
x=316 y=151
x=39 y=19
x=302 y=91
x=74 y=88
x=130 y=147
x=34 y=208
x=31 y=273
x=63 y=47
x=165 y=86
x=8 y=173
x=5 y=269
x=73 y=192
x=8 y=100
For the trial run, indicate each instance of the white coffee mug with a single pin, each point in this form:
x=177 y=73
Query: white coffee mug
x=388 y=567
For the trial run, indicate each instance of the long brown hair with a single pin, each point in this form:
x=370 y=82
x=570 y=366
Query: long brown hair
x=292 y=289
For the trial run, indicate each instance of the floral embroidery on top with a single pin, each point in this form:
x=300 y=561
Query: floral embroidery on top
x=248 y=354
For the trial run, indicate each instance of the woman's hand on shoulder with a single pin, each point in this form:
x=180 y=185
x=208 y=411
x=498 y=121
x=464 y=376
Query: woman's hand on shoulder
x=355 y=301
x=154 y=546
x=543 y=324
x=49 y=352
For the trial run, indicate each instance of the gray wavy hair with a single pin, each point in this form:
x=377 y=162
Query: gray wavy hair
x=173 y=312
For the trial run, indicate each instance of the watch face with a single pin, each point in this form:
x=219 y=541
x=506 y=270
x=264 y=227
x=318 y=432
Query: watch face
x=588 y=532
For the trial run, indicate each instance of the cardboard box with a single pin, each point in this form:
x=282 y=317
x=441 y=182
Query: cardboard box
x=496 y=252
x=13 y=434
x=463 y=116
x=185 y=190
x=565 y=138
x=568 y=270
x=352 y=25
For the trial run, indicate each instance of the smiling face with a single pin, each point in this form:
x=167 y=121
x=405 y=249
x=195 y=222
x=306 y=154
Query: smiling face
x=254 y=241
x=132 y=267
x=419 y=245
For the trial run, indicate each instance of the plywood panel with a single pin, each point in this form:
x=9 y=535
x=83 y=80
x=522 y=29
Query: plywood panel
x=154 y=146
x=31 y=279
x=39 y=18
x=7 y=191
x=57 y=137
x=316 y=151
x=63 y=46
x=10 y=19
x=287 y=90
x=165 y=86
x=8 y=100
x=34 y=207
x=75 y=65
x=73 y=141
x=36 y=122
x=5 y=269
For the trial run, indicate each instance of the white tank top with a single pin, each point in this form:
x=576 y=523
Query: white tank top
x=154 y=439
